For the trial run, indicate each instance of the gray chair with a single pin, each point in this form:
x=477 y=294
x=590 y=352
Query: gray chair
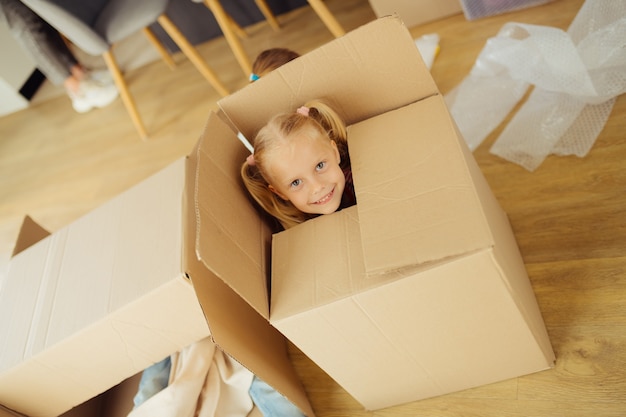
x=96 y=25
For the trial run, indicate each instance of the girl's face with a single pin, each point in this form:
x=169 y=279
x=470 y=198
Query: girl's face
x=305 y=170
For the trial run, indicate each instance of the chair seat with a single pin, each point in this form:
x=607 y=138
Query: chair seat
x=96 y=25
x=122 y=18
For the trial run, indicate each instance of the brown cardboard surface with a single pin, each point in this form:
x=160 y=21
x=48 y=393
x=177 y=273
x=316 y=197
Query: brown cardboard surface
x=97 y=301
x=416 y=12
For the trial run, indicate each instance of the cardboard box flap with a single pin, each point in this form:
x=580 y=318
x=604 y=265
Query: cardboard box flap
x=341 y=68
x=227 y=276
x=245 y=335
x=231 y=238
x=402 y=205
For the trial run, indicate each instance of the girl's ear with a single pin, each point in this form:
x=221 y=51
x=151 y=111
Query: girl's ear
x=336 y=149
x=275 y=191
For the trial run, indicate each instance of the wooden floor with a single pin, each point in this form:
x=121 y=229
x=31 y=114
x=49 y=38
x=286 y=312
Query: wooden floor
x=569 y=216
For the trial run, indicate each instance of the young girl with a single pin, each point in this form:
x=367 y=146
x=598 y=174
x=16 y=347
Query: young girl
x=300 y=167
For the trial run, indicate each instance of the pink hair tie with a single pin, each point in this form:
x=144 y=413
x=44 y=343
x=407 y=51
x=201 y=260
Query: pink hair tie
x=250 y=160
x=303 y=110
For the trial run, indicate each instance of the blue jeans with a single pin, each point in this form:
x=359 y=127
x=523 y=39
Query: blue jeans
x=153 y=379
x=271 y=402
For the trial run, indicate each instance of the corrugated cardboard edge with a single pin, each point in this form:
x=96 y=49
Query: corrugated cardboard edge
x=236 y=327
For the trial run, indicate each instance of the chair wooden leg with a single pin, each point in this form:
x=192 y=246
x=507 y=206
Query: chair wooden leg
x=191 y=53
x=235 y=45
x=109 y=59
x=159 y=47
x=267 y=12
x=327 y=17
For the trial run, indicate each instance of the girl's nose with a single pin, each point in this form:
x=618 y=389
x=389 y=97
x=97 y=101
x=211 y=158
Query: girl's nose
x=316 y=185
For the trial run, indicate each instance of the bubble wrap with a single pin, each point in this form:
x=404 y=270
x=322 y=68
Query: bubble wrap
x=576 y=76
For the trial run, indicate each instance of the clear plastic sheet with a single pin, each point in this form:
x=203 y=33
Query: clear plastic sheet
x=576 y=76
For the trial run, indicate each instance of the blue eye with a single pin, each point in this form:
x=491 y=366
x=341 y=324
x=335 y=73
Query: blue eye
x=320 y=165
x=295 y=183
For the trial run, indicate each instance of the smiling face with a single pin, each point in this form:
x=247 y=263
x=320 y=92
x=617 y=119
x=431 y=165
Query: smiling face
x=305 y=170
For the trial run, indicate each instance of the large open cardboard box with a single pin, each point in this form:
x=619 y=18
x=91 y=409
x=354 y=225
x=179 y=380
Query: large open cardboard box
x=419 y=290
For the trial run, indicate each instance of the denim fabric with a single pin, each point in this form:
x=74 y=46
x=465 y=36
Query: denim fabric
x=270 y=402
x=153 y=379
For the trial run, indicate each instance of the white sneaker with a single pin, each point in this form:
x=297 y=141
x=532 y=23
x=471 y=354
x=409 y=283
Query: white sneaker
x=102 y=76
x=92 y=94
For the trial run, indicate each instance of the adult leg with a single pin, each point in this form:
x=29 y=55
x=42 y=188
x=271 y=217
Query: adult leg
x=44 y=44
x=52 y=56
x=271 y=402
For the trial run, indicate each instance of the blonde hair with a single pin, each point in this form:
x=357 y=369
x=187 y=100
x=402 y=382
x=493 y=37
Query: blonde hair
x=269 y=60
x=322 y=121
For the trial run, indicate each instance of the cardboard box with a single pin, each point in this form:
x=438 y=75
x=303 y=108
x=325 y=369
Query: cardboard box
x=417 y=12
x=424 y=272
x=419 y=290
x=101 y=299
x=115 y=402
x=98 y=301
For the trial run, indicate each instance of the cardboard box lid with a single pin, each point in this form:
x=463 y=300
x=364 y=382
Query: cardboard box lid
x=371 y=70
x=415 y=195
